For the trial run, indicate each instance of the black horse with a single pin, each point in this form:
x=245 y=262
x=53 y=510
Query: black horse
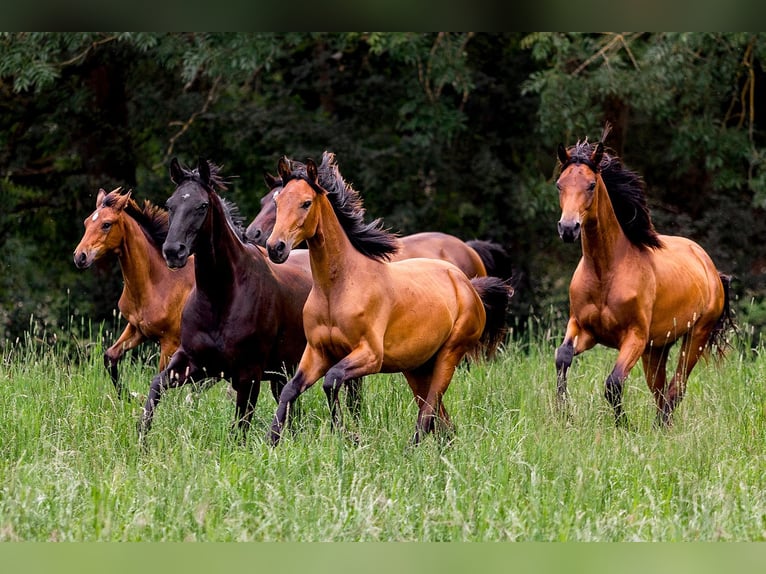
x=243 y=320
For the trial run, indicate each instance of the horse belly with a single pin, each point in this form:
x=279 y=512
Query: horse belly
x=416 y=334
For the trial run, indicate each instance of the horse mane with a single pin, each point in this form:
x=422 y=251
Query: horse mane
x=152 y=218
x=627 y=192
x=217 y=183
x=371 y=239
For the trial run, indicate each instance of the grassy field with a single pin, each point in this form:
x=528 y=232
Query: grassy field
x=71 y=467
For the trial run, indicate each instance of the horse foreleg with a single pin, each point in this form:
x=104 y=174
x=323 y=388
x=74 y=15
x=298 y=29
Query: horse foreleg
x=130 y=338
x=576 y=341
x=354 y=396
x=311 y=367
x=176 y=374
x=247 y=398
x=630 y=351
x=363 y=360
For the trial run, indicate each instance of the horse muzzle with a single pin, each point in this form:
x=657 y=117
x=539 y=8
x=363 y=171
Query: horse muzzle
x=569 y=231
x=82 y=259
x=255 y=235
x=176 y=255
x=278 y=251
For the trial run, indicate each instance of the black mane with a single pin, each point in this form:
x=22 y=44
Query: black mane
x=370 y=239
x=627 y=192
x=217 y=183
x=152 y=218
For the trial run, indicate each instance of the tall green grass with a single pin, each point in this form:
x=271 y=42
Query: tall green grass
x=71 y=467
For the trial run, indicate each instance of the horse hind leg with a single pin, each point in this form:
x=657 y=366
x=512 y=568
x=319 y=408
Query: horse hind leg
x=654 y=362
x=429 y=384
x=692 y=348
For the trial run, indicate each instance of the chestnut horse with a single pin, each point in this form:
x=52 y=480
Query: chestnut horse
x=475 y=257
x=366 y=315
x=153 y=296
x=243 y=321
x=633 y=290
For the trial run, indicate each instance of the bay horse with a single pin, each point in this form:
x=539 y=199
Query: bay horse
x=476 y=257
x=153 y=296
x=633 y=290
x=243 y=320
x=367 y=315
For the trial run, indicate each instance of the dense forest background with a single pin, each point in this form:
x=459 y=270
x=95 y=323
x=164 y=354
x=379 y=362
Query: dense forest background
x=453 y=132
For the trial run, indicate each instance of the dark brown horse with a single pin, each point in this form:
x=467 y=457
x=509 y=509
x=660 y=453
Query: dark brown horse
x=243 y=321
x=153 y=295
x=475 y=257
x=366 y=315
x=633 y=290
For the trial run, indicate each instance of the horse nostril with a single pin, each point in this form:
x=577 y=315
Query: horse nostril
x=277 y=251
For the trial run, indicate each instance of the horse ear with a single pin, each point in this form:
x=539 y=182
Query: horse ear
x=203 y=168
x=597 y=154
x=122 y=198
x=176 y=173
x=283 y=168
x=562 y=153
x=311 y=170
x=271 y=181
x=100 y=197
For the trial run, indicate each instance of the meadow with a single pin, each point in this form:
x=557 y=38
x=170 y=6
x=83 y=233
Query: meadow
x=71 y=468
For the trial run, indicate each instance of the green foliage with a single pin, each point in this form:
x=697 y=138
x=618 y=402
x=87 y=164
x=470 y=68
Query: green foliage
x=453 y=132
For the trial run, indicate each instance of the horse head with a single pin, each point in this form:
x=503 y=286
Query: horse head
x=188 y=209
x=260 y=228
x=103 y=233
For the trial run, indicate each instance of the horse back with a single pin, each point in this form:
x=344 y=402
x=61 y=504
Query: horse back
x=437 y=245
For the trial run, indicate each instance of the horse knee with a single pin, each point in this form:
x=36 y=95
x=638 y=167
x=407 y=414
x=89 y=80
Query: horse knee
x=564 y=356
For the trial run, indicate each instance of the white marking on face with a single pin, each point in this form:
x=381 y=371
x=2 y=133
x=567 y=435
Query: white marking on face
x=185 y=196
x=95 y=216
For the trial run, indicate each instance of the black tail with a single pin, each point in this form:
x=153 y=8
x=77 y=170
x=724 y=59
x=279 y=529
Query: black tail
x=717 y=340
x=496 y=259
x=496 y=296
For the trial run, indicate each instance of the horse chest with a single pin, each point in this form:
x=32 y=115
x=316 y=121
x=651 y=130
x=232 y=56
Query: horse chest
x=606 y=311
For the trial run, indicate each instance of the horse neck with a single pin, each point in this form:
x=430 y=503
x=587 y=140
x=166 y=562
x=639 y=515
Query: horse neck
x=330 y=250
x=141 y=261
x=219 y=255
x=602 y=236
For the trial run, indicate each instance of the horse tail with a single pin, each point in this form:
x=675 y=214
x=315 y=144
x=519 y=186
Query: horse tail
x=496 y=259
x=495 y=294
x=717 y=339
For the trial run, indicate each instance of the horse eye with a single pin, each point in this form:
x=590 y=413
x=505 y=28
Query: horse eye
x=306 y=204
x=202 y=206
x=106 y=226
x=592 y=186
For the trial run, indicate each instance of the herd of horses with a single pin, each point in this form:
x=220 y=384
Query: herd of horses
x=310 y=290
